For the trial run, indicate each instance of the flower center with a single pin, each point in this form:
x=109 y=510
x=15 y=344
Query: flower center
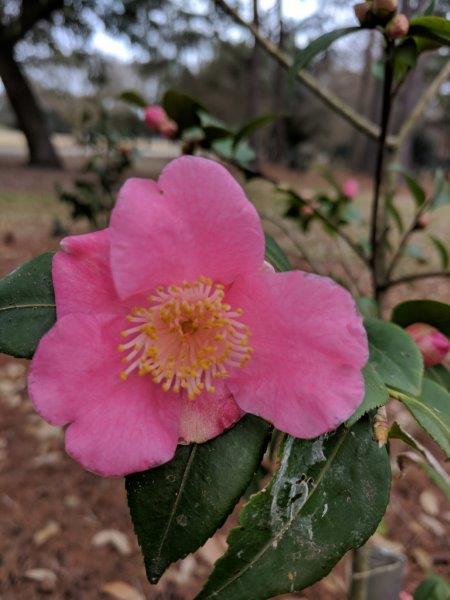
x=186 y=337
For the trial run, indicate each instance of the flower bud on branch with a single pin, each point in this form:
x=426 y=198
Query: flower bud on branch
x=397 y=27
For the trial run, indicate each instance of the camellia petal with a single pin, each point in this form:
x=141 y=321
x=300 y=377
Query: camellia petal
x=309 y=348
x=116 y=427
x=82 y=275
x=196 y=222
x=208 y=415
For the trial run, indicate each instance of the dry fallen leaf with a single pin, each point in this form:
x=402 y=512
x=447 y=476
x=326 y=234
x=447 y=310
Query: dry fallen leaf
x=429 y=502
x=51 y=529
x=114 y=538
x=122 y=591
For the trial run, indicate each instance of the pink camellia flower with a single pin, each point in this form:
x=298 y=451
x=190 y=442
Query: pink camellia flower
x=169 y=328
x=350 y=188
x=158 y=120
x=433 y=344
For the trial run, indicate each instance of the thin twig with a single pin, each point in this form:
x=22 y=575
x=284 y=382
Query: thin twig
x=297 y=243
x=377 y=216
x=413 y=277
x=327 y=96
x=423 y=102
x=398 y=253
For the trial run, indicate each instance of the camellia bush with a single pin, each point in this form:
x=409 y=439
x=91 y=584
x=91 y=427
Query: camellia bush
x=178 y=347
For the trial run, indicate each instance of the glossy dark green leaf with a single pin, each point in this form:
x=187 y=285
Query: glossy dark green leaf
x=328 y=496
x=394 y=356
x=427 y=462
x=175 y=508
x=275 y=255
x=246 y=130
x=376 y=394
x=318 y=45
x=436 y=29
x=439 y=374
x=433 y=587
x=27 y=306
x=441 y=250
x=134 y=98
x=182 y=109
x=432 y=411
x=423 y=311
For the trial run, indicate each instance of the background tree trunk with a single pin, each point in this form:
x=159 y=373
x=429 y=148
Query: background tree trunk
x=278 y=132
x=254 y=83
x=30 y=117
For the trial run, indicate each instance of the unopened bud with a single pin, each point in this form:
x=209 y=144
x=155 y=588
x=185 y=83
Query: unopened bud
x=423 y=221
x=397 y=27
x=362 y=11
x=350 y=188
x=384 y=8
x=168 y=129
x=155 y=116
x=433 y=344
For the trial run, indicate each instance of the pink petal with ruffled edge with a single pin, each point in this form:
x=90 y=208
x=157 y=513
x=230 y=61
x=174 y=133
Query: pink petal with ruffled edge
x=116 y=427
x=309 y=348
x=196 y=221
x=82 y=275
x=208 y=415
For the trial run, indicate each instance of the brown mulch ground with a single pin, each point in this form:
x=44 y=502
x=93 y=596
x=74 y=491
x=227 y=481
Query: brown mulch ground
x=66 y=534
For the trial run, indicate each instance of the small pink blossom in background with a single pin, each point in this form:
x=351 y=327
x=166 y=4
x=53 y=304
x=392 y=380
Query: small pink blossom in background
x=350 y=188
x=158 y=120
x=397 y=27
x=169 y=328
x=433 y=344
x=405 y=596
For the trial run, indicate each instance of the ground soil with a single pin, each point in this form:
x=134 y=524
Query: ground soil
x=51 y=510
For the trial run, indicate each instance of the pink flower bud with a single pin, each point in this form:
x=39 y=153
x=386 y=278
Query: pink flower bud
x=362 y=11
x=350 y=188
x=423 y=221
x=155 y=116
x=306 y=210
x=397 y=27
x=168 y=129
x=384 y=8
x=433 y=344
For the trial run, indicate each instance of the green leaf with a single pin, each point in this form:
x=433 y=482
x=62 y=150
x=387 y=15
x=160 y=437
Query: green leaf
x=432 y=411
x=431 y=467
x=318 y=45
x=439 y=374
x=417 y=191
x=441 y=249
x=27 y=306
x=182 y=109
x=175 y=508
x=275 y=255
x=415 y=251
x=394 y=356
x=436 y=29
x=134 y=98
x=405 y=58
x=328 y=496
x=376 y=394
x=441 y=192
x=423 y=311
x=368 y=307
x=246 y=130
x=433 y=588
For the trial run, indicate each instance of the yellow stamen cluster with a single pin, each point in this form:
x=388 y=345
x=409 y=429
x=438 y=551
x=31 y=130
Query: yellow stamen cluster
x=186 y=337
